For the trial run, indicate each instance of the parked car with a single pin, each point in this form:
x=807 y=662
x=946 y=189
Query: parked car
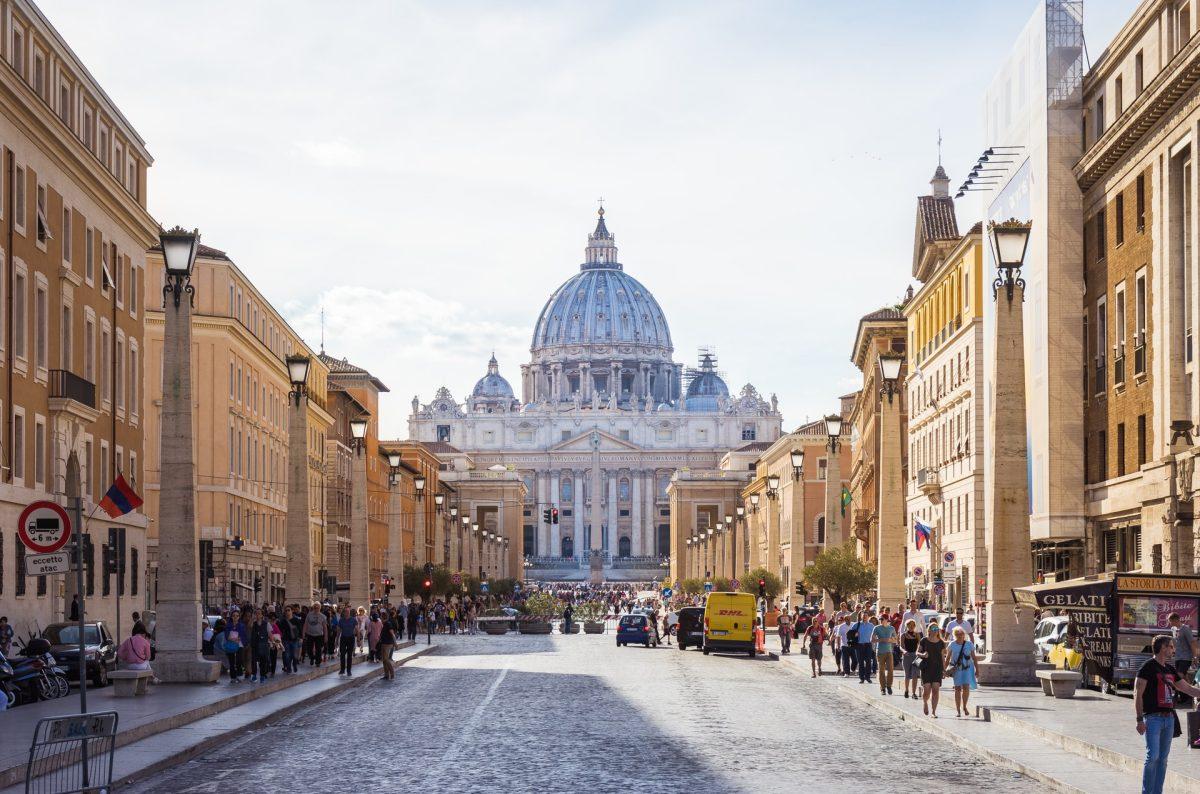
x=1048 y=633
x=636 y=627
x=100 y=650
x=689 y=632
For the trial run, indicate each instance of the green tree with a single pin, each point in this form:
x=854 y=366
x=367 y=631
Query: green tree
x=840 y=572
x=691 y=586
x=721 y=584
x=749 y=582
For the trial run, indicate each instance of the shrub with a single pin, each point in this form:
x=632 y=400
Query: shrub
x=543 y=605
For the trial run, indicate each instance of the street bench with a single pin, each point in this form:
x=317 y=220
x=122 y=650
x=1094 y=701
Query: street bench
x=129 y=683
x=1059 y=683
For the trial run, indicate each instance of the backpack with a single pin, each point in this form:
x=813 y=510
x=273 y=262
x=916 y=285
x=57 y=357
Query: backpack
x=852 y=635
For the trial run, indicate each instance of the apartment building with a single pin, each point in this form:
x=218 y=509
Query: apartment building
x=240 y=390
x=73 y=234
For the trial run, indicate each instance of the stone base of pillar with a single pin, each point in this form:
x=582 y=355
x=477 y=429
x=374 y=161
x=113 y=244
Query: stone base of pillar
x=1008 y=669
x=183 y=667
x=596 y=575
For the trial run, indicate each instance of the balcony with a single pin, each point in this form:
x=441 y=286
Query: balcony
x=929 y=482
x=72 y=394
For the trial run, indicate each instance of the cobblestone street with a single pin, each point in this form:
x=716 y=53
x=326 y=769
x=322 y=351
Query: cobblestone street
x=576 y=713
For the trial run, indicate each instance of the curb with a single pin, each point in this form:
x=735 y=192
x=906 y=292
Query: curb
x=1122 y=762
x=960 y=741
x=16 y=774
x=208 y=744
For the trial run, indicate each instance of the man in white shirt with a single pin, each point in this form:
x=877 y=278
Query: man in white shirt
x=913 y=614
x=960 y=623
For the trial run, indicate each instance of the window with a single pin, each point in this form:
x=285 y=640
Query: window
x=18 y=52
x=1099 y=117
x=43 y=225
x=133 y=379
x=1140 y=203
x=87 y=128
x=39 y=453
x=133 y=289
x=1101 y=236
x=64 y=101
x=822 y=468
x=20 y=566
x=119 y=375
x=1139 y=324
x=85 y=468
x=443 y=432
x=40 y=327
x=105 y=274
x=104 y=482
x=89 y=349
x=19 y=309
x=89 y=256
x=19 y=199
x=18 y=452
x=1120 y=218
x=66 y=233
x=1141 y=440
x=1120 y=449
x=1139 y=74
x=748 y=432
x=1119 y=336
x=1101 y=456
x=1101 y=343
x=1119 y=95
x=39 y=74
x=66 y=339
x=105 y=365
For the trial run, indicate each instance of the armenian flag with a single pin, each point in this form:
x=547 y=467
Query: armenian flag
x=120 y=498
x=921 y=533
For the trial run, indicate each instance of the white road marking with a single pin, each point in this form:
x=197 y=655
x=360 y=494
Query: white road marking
x=477 y=715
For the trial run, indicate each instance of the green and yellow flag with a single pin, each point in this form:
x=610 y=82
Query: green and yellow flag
x=845 y=499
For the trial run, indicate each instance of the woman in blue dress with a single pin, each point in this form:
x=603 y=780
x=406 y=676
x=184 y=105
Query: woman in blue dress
x=960 y=661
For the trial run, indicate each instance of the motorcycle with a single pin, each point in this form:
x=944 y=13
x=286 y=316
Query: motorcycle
x=36 y=673
x=7 y=690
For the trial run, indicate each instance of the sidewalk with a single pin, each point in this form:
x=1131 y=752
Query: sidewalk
x=181 y=720
x=1086 y=744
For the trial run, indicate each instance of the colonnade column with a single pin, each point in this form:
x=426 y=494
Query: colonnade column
x=635 y=514
x=576 y=512
x=611 y=534
x=649 y=494
x=555 y=493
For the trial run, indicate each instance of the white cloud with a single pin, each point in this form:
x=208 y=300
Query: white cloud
x=331 y=153
x=410 y=340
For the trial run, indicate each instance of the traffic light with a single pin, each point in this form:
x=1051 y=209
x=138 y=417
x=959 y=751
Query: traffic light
x=257 y=584
x=762 y=588
x=554 y=515
x=546 y=516
x=801 y=590
x=427 y=587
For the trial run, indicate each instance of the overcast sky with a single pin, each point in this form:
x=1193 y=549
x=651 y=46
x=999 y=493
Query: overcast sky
x=428 y=172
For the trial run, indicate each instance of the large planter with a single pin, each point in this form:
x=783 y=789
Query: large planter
x=535 y=626
x=593 y=627
x=573 y=630
x=494 y=626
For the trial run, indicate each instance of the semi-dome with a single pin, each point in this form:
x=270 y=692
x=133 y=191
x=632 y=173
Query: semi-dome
x=707 y=390
x=493 y=385
x=601 y=305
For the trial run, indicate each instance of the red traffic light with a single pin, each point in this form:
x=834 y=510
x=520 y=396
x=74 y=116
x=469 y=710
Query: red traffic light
x=428 y=584
x=762 y=582
x=554 y=515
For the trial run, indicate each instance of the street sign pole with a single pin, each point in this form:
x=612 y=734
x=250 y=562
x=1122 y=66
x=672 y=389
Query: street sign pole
x=77 y=511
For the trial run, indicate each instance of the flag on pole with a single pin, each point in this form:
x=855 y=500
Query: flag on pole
x=845 y=499
x=120 y=498
x=921 y=533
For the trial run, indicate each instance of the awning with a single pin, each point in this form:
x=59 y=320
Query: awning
x=242 y=585
x=1086 y=593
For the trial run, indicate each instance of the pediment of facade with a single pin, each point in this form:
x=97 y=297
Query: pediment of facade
x=583 y=443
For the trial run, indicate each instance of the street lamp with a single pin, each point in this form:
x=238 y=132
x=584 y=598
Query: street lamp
x=1010 y=240
x=419 y=484
x=741 y=512
x=395 y=562
x=728 y=520
x=178 y=656
x=772 y=486
x=833 y=429
x=889 y=371
x=453 y=512
x=297 y=366
x=438 y=500
x=797 y=463
x=393 y=459
x=754 y=500
x=358 y=432
x=360 y=566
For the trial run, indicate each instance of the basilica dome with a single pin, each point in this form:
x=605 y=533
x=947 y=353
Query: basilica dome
x=707 y=390
x=602 y=305
x=493 y=384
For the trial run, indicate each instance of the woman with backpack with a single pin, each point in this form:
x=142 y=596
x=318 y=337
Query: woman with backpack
x=962 y=657
x=233 y=646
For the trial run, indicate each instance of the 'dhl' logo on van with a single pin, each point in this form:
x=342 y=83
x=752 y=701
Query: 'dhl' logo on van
x=736 y=612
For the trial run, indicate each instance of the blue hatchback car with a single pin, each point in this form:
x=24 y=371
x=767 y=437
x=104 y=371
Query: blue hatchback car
x=636 y=628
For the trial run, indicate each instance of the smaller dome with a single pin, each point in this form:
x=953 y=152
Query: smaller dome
x=707 y=390
x=493 y=385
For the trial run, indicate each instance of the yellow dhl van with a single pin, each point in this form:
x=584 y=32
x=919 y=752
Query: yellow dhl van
x=729 y=622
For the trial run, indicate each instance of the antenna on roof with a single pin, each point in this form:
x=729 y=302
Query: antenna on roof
x=939 y=145
x=322 y=329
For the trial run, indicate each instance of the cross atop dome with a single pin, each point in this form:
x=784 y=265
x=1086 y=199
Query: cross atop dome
x=601 y=251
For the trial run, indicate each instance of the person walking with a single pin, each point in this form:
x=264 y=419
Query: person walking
x=387 y=642
x=883 y=639
x=863 y=630
x=932 y=653
x=374 y=631
x=814 y=637
x=233 y=646
x=1185 y=651
x=1154 y=704
x=845 y=648
x=316 y=629
x=288 y=636
x=348 y=629
x=962 y=656
x=413 y=613
x=909 y=641
x=260 y=648
x=785 y=632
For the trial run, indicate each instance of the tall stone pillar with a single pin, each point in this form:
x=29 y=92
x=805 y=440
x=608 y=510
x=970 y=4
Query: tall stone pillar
x=178 y=658
x=771 y=561
x=635 y=514
x=395 y=552
x=555 y=495
x=596 y=573
x=612 y=531
x=576 y=512
x=298 y=584
x=422 y=548
x=585 y=382
x=360 y=554
x=1006 y=528
x=834 y=535
x=892 y=542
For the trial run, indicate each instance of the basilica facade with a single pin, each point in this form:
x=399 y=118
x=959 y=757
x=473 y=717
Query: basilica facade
x=605 y=418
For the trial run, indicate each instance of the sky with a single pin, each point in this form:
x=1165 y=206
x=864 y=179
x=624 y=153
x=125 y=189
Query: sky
x=427 y=173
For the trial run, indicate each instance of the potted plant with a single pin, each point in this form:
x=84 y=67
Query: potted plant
x=591 y=613
x=539 y=610
x=494 y=621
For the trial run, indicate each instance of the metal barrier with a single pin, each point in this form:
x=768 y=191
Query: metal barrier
x=72 y=754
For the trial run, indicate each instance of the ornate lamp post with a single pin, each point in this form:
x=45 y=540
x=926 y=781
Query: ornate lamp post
x=395 y=557
x=797 y=463
x=298 y=584
x=891 y=538
x=178 y=637
x=1006 y=524
x=360 y=561
x=833 y=482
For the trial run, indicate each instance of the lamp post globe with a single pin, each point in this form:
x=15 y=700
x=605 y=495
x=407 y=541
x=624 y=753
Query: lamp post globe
x=797 y=462
x=297 y=366
x=773 y=483
x=741 y=511
x=393 y=459
x=419 y=484
x=358 y=428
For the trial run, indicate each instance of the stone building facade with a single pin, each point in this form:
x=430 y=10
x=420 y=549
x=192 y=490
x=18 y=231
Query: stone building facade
x=601 y=382
x=1141 y=126
x=240 y=390
x=74 y=229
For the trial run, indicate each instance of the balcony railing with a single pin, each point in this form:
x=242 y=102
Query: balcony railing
x=67 y=385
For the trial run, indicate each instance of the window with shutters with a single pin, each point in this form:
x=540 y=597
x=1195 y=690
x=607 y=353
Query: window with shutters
x=1110 y=549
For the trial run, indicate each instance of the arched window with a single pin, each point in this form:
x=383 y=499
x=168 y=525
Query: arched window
x=819 y=527
x=568 y=489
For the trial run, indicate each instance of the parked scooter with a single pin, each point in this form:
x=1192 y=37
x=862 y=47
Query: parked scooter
x=8 y=690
